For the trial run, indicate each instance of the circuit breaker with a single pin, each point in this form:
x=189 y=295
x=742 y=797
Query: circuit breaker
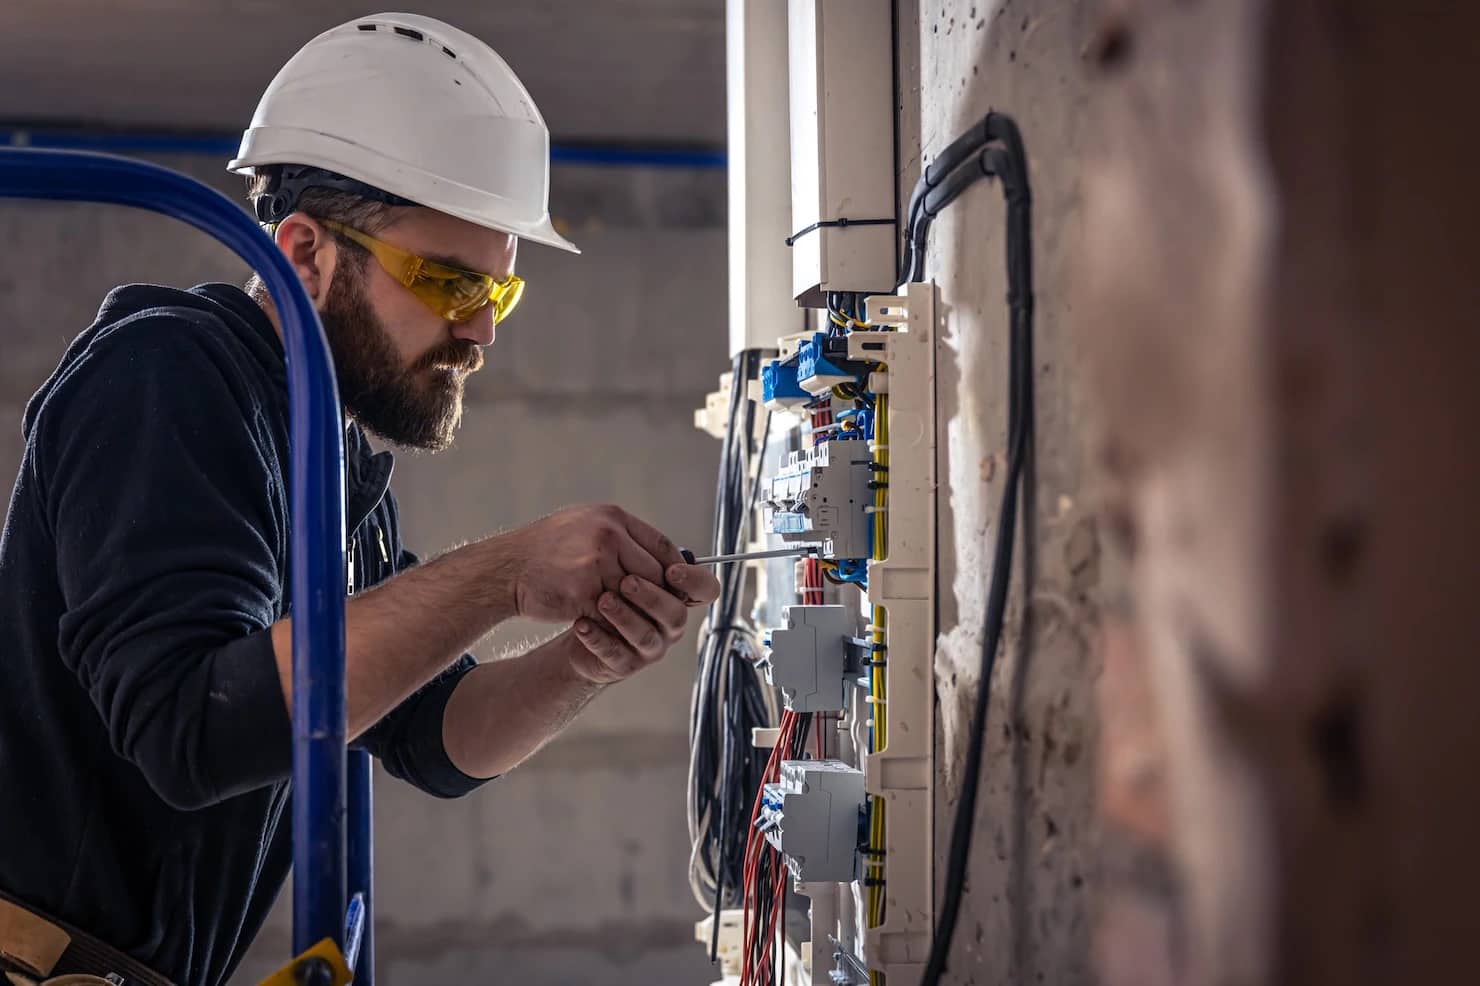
x=821 y=496
x=813 y=815
x=808 y=658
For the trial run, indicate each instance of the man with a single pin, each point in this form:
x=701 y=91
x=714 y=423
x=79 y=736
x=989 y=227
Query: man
x=144 y=730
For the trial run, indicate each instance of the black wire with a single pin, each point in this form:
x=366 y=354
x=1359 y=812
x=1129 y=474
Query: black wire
x=723 y=762
x=724 y=817
x=1009 y=163
x=993 y=128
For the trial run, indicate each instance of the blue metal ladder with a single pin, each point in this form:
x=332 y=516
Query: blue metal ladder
x=327 y=859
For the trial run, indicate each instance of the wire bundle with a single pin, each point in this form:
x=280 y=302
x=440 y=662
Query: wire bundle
x=765 y=872
x=729 y=697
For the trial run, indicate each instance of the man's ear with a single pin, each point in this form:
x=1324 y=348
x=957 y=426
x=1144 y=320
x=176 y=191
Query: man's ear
x=312 y=251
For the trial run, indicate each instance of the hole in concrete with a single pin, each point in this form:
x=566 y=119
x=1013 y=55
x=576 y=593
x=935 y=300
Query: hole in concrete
x=1343 y=542
x=1112 y=49
x=1336 y=737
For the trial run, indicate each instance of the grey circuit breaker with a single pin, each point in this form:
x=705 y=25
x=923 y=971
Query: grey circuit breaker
x=821 y=496
x=807 y=658
x=813 y=816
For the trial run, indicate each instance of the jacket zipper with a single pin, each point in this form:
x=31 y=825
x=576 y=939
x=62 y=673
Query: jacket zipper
x=349 y=589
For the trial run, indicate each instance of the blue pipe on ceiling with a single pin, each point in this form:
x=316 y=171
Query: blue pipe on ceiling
x=225 y=147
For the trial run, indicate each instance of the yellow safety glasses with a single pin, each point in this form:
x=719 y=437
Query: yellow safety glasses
x=453 y=293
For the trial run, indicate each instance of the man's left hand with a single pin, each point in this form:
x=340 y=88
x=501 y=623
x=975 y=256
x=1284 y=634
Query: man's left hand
x=643 y=621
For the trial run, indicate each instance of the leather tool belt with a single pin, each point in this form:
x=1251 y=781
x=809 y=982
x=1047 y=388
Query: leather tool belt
x=35 y=946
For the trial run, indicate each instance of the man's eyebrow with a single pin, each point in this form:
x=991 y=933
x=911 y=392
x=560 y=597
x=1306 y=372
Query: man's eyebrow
x=446 y=260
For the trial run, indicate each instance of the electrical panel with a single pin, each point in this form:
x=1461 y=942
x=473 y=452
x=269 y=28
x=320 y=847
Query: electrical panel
x=811 y=774
x=848 y=808
x=808 y=657
x=814 y=815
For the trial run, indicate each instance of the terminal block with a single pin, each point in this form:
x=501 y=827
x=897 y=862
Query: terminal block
x=813 y=815
x=820 y=495
x=808 y=658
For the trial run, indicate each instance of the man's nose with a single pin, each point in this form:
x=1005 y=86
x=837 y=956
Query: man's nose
x=478 y=329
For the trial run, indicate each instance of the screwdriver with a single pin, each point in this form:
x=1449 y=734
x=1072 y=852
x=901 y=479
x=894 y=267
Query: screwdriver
x=688 y=555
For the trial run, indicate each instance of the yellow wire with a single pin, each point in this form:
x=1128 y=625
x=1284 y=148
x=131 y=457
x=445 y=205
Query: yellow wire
x=877 y=679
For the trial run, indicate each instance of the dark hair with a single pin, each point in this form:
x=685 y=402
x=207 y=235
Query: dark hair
x=348 y=208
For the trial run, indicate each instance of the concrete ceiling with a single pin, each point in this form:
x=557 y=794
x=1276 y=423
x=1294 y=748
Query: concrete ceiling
x=631 y=71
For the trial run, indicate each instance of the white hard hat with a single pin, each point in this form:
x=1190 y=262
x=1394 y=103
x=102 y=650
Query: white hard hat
x=415 y=108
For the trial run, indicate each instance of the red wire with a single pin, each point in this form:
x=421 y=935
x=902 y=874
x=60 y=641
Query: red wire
x=755 y=849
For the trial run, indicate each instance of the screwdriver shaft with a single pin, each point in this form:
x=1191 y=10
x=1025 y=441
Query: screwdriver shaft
x=753 y=556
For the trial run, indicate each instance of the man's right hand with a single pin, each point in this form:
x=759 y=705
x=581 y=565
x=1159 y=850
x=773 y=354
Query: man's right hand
x=568 y=559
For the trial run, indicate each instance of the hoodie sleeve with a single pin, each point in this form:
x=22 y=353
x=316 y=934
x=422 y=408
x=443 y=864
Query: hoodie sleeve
x=163 y=488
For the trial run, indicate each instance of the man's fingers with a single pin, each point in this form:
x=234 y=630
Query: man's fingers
x=635 y=558
x=637 y=630
x=658 y=604
x=617 y=659
x=656 y=543
x=696 y=582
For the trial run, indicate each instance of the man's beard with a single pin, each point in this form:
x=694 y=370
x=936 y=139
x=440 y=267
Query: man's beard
x=419 y=406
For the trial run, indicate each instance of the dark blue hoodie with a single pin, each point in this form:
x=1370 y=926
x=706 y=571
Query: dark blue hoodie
x=144 y=742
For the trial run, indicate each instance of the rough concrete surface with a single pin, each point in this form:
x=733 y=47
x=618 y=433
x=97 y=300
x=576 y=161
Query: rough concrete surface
x=1026 y=917
x=1278 y=227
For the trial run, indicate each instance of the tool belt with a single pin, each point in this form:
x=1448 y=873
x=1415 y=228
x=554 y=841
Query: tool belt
x=34 y=945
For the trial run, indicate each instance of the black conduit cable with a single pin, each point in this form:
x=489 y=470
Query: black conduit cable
x=1007 y=161
x=994 y=127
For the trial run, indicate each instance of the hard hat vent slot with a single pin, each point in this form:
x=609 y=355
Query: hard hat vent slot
x=368 y=27
x=450 y=53
x=407 y=32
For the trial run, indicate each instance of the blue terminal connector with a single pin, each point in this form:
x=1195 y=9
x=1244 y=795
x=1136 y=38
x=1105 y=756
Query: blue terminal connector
x=853 y=570
x=779 y=387
x=816 y=371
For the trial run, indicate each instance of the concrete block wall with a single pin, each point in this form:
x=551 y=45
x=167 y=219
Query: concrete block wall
x=572 y=868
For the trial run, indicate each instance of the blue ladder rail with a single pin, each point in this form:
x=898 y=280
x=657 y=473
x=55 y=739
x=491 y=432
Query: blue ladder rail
x=316 y=460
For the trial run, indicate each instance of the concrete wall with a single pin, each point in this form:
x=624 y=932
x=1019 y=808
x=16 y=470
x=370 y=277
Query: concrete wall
x=572 y=869
x=1280 y=228
x=1232 y=743
x=1027 y=913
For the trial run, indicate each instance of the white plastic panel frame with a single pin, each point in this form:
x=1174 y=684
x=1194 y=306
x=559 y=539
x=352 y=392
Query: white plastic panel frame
x=904 y=584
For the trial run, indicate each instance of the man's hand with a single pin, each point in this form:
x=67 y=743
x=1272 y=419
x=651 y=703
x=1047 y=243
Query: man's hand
x=569 y=559
x=642 y=620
